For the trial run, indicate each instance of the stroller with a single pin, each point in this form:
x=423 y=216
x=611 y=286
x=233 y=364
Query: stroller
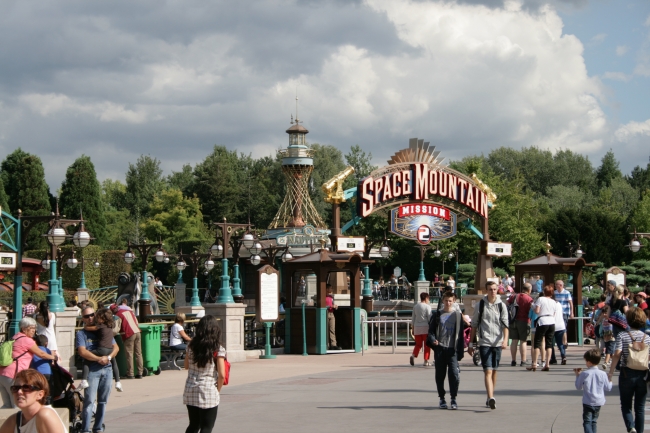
x=65 y=395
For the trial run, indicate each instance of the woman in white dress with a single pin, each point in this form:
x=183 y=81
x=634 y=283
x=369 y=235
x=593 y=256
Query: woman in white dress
x=45 y=322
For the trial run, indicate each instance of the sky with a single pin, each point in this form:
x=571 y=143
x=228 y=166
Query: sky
x=171 y=79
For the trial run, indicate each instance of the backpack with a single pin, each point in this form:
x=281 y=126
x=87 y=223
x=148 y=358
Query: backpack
x=512 y=310
x=637 y=358
x=481 y=307
x=6 y=352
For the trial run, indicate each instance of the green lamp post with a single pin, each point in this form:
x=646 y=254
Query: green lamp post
x=144 y=249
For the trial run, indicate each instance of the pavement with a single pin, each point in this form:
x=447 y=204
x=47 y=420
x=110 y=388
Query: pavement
x=376 y=392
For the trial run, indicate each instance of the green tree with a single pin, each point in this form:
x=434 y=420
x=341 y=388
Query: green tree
x=640 y=221
x=120 y=228
x=608 y=170
x=263 y=189
x=174 y=219
x=560 y=197
x=619 y=198
x=640 y=178
x=81 y=192
x=24 y=179
x=361 y=161
x=143 y=181
x=113 y=195
x=218 y=186
x=181 y=179
x=4 y=199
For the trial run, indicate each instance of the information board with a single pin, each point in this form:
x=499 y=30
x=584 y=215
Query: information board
x=268 y=295
x=7 y=261
x=498 y=249
x=350 y=244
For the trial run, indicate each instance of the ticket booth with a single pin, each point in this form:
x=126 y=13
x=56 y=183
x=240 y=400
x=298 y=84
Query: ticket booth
x=548 y=268
x=305 y=281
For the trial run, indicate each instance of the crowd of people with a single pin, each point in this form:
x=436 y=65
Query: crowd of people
x=622 y=331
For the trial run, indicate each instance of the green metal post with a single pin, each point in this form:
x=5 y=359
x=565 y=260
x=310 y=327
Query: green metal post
x=366 y=282
x=82 y=285
x=421 y=277
x=179 y=280
x=53 y=298
x=267 y=347
x=236 y=288
x=580 y=325
x=145 y=287
x=225 y=294
x=195 y=301
x=304 y=331
x=14 y=327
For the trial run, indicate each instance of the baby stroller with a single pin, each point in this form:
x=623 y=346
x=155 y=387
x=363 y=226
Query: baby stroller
x=65 y=395
x=476 y=358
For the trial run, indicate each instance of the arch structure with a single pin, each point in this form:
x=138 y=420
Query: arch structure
x=418 y=190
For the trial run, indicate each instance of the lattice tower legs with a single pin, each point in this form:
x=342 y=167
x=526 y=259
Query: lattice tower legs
x=297 y=209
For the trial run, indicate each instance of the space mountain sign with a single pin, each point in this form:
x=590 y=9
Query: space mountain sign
x=417 y=189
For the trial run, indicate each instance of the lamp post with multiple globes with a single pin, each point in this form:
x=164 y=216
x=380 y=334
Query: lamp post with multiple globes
x=144 y=250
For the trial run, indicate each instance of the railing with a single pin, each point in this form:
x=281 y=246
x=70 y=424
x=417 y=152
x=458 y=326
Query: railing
x=383 y=323
x=254 y=333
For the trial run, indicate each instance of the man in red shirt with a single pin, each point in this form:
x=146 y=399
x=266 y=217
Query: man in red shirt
x=131 y=336
x=520 y=328
x=640 y=299
x=331 y=320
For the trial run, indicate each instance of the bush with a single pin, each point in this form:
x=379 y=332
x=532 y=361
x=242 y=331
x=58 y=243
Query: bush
x=7 y=298
x=113 y=265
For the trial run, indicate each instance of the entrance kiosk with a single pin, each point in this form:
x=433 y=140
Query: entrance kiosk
x=319 y=268
x=548 y=268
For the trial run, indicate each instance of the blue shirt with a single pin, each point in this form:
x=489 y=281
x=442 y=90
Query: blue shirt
x=564 y=298
x=593 y=383
x=41 y=365
x=90 y=340
x=539 y=285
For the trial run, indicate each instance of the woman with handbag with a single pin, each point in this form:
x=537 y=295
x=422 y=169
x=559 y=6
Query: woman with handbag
x=633 y=350
x=206 y=363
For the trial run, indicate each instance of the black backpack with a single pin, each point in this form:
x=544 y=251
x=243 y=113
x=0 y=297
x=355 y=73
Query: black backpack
x=512 y=310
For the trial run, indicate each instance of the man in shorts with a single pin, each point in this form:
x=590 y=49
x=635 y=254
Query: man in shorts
x=520 y=328
x=491 y=322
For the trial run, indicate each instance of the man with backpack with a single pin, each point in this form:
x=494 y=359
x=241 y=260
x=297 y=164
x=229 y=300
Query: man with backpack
x=490 y=321
x=519 y=323
x=446 y=331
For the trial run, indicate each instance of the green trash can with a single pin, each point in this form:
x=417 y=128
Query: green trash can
x=151 y=347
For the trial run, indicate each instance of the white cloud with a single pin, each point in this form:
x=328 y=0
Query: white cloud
x=621 y=50
x=600 y=37
x=617 y=76
x=632 y=130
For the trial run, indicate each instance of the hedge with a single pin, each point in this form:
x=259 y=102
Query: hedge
x=72 y=277
x=7 y=298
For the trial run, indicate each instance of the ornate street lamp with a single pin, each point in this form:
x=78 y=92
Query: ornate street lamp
x=635 y=244
x=129 y=257
x=575 y=249
x=220 y=249
x=194 y=261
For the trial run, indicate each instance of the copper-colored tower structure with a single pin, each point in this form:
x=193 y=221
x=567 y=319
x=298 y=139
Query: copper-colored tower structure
x=297 y=209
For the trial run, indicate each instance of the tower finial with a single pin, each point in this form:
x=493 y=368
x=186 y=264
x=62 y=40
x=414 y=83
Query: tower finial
x=297 y=121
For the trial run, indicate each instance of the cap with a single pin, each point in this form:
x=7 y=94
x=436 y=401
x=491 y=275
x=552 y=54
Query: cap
x=612 y=282
x=642 y=294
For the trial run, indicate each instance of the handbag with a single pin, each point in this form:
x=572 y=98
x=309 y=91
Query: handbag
x=638 y=356
x=226 y=367
x=617 y=318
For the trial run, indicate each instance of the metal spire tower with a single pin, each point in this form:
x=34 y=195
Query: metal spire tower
x=297 y=209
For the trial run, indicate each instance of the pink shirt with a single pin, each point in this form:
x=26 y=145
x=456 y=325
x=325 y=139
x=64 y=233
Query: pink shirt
x=22 y=344
x=329 y=301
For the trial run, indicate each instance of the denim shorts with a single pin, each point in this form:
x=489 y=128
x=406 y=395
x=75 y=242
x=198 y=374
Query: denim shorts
x=490 y=357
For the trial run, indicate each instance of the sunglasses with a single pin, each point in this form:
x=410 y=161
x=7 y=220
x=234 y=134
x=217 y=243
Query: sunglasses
x=25 y=388
x=88 y=316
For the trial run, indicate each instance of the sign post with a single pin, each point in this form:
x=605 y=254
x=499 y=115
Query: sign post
x=267 y=303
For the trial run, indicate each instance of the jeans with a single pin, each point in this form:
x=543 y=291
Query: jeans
x=201 y=420
x=590 y=417
x=559 y=340
x=99 y=388
x=181 y=346
x=447 y=365
x=7 y=397
x=490 y=357
x=632 y=385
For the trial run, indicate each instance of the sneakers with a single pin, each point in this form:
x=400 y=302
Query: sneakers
x=492 y=403
x=83 y=385
x=427 y=364
x=443 y=404
x=563 y=361
x=118 y=386
x=632 y=430
x=606 y=365
x=487 y=403
x=412 y=361
x=523 y=364
x=453 y=406
x=513 y=364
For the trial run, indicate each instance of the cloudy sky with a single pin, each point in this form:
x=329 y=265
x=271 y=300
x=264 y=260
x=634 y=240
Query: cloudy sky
x=117 y=79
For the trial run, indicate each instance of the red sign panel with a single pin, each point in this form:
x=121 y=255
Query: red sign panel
x=424 y=235
x=424 y=209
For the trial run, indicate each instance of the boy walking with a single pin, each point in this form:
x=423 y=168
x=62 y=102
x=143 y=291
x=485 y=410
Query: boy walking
x=593 y=383
x=447 y=328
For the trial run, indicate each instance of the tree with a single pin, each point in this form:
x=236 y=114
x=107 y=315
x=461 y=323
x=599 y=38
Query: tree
x=113 y=195
x=263 y=192
x=640 y=178
x=174 y=219
x=120 y=228
x=640 y=221
x=81 y=193
x=361 y=162
x=181 y=179
x=618 y=199
x=560 y=197
x=4 y=199
x=608 y=170
x=24 y=179
x=218 y=186
x=143 y=182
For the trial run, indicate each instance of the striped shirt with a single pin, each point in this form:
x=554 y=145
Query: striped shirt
x=564 y=298
x=623 y=342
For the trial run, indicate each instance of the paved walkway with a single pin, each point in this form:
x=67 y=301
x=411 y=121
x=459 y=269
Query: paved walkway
x=372 y=393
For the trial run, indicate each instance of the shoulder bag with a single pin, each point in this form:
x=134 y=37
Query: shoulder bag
x=637 y=357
